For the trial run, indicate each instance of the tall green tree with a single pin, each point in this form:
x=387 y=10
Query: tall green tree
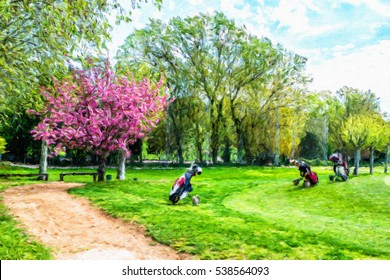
x=156 y=47
x=378 y=138
x=209 y=58
x=387 y=145
x=2 y=145
x=286 y=86
x=324 y=117
x=358 y=109
x=356 y=133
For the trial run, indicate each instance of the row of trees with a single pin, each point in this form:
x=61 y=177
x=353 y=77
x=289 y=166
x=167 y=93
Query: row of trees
x=233 y=96
x=239 y=93
x=351 y=122
x=228 y=86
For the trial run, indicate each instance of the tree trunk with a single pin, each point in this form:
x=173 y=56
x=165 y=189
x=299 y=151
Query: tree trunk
x=101 y=167
x=199 y=151
x=43 y=159
x=179 y=148
x=372 y=160
x=240 y=148
x=227 y=150
x=277 y=137
x=141 y=159
x=325 y=140
x=167 y=132
x=121 y=170
x=199 y=143
x=178 y=136
x=357 y=160
x=387 y=158
x=216 y=116
x=214 y=141
x=240 y=145
x=180 y=154
x=293 y=141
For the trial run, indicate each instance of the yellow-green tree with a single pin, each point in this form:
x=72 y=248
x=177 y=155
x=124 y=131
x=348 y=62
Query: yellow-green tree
x=355 y=132
x=2 y=145
x=387 y=145
x=378 y=137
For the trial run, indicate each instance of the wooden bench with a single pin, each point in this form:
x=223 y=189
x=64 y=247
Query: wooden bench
x=94 y=174
x=41 y=176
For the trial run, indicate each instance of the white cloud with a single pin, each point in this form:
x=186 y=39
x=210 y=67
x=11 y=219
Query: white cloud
x=229 y=7
x=294 y=16
x=340 y=51
x=291 y=14
x=171 y=4
x=196 y=2
x=365 y=69
x=374 y=5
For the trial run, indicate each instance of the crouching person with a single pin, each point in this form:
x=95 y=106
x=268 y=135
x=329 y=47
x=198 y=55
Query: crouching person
x=308 y=176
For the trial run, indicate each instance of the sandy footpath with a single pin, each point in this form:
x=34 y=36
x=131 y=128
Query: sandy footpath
x=76 y=230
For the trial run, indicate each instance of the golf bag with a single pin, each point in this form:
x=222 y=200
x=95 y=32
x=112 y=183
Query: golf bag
x=309 y=176
x=313 y=178
x=340 y=168
x=310 y=179
x=178 y=190
x=182 y=185
x=341 y=174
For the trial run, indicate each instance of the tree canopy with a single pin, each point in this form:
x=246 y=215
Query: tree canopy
x=99 y=112
x=209 y=58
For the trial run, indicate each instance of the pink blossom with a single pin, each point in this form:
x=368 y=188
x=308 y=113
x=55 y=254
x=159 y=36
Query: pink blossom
x=97 y=111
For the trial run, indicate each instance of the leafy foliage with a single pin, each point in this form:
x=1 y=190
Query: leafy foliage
x=99 y=112
x=209 y=58
x=2 y=145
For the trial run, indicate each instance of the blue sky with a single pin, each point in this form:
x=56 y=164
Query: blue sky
x=347 y=42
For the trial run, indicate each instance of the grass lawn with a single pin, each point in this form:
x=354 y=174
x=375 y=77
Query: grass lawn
x=256 y=213
x=246 y=213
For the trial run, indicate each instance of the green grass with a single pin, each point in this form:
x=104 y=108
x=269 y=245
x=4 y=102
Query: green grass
x=252 y=212
x=256 y=213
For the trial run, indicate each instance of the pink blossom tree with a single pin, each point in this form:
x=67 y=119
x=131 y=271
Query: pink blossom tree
x=99 y=112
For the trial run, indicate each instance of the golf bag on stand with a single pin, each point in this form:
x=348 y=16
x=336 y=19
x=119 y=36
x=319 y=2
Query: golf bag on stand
x=340 y=168
x=182 y=185
x=310 y=177
x=177 y=190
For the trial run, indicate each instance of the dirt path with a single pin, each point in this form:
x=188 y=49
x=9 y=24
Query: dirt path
x=76 y=230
